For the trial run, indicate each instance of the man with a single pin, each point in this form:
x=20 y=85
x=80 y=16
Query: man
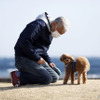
x=31 y=57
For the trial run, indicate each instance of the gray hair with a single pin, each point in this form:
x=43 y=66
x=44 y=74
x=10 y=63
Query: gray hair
x=61 y=21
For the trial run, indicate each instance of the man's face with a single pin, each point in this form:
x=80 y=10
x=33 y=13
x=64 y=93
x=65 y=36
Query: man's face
x=60 y=29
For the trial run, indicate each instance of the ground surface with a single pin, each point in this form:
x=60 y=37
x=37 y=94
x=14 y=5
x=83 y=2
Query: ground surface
x=55 y=91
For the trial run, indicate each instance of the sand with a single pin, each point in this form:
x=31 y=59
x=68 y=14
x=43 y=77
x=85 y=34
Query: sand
x=54 y=91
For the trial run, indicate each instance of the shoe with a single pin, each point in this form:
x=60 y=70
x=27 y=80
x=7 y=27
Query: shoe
x=15 y=79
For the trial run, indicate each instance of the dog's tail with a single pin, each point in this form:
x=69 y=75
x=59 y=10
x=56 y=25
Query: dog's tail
x=87 y=68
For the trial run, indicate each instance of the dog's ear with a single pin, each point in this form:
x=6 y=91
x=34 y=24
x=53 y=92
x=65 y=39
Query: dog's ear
x=62 y=57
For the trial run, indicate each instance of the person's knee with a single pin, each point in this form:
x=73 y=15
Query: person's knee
x=47 y=80
x=55 y=78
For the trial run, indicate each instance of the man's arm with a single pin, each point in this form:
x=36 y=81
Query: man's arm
x=32 y=33
x=48 y=60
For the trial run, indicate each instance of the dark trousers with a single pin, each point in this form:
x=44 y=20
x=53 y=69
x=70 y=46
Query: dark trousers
x=33 y=73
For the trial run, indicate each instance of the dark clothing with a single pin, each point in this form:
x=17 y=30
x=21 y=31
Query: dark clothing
x=33 y=73
x=34 y=41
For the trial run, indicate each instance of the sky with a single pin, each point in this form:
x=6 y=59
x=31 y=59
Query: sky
x=82 y=39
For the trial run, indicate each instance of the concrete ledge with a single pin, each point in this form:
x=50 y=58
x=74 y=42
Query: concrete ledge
x=5 y=80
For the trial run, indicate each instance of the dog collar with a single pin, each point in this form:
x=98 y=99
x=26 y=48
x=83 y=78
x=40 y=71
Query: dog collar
x=67 y=65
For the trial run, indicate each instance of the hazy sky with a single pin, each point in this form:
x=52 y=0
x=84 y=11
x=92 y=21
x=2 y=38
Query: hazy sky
x=83 y=38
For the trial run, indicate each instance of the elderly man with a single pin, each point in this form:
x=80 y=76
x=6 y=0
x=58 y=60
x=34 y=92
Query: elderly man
x=31 y=57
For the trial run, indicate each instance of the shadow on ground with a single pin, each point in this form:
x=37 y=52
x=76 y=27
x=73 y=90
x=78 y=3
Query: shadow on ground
x=31 y=86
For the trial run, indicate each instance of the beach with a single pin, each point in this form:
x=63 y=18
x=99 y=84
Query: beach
x=53 y=91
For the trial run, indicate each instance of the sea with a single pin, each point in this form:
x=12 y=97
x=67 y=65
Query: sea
x=8 y=64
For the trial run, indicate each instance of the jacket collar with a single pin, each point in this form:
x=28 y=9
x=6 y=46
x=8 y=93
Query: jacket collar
x=46 y=19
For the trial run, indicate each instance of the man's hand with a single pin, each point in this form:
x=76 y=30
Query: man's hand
x=51 y=65
x=41 y=61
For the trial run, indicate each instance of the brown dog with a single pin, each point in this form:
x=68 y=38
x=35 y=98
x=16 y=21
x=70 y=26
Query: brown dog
x=82 y=65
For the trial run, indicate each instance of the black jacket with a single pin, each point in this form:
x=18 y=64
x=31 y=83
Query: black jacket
x=34 y=41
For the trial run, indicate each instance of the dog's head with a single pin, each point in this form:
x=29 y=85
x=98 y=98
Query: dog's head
x=66 y=59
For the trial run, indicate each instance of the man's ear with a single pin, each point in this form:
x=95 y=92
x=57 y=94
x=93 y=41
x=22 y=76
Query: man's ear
x=53 y=24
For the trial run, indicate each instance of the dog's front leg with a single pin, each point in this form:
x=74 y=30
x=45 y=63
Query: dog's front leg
x=67 y=74
x=65 y=80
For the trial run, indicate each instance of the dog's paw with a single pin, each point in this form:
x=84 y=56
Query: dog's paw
x=64 y=83
x=84 y=82
x=79 y=83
